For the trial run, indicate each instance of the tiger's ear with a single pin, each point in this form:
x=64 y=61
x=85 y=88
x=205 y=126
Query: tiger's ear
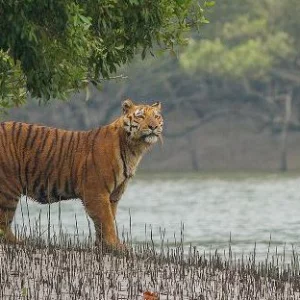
x=127 y=105
x=157 y=105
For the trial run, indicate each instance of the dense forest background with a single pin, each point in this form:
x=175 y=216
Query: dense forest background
x=231 y=99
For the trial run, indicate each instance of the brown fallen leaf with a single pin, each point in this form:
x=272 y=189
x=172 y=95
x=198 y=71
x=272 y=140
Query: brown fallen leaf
x=150 y=296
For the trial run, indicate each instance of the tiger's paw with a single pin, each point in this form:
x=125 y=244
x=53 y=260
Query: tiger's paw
x=116 y=249
x=6 y=236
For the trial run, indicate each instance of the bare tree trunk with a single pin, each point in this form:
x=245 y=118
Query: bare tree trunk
x=284 y=134
x=195 y=161
x=193 y=153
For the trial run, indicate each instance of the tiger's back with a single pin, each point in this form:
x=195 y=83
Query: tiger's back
x=39 y=161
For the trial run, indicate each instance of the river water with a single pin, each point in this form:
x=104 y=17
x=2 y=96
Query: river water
x=260 y=211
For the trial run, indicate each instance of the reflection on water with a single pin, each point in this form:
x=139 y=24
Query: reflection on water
x=212 y=208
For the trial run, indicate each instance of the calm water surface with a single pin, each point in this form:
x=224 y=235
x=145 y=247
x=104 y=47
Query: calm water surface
x=212 y=208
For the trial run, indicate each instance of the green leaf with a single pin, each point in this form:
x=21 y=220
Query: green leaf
x=209 y=3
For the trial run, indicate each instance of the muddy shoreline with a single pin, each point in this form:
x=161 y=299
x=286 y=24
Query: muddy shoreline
x=85 y=272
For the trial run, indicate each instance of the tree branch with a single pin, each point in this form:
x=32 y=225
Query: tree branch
x=252 y=91
x=95 y=82
x=218 y=114
x=289 y=75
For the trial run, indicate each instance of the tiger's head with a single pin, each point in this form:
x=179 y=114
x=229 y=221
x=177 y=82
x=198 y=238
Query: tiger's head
x=142 y=122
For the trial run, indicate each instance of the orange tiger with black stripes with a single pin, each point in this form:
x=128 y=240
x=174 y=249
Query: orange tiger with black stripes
x=50 y=165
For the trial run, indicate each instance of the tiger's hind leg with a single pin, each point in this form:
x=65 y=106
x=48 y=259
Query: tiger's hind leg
x=7 y=212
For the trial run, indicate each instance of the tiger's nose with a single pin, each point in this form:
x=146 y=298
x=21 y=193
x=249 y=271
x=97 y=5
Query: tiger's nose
x=152 y=127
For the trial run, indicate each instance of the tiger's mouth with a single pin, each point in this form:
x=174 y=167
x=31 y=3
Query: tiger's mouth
x=150 y=138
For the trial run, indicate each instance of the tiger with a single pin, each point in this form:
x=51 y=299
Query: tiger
x=49 y=165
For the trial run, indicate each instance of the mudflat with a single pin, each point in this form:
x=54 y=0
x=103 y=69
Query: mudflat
x=68 y=272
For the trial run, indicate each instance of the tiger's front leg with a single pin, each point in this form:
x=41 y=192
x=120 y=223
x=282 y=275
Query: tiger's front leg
x=100 y=211
x=116 y=196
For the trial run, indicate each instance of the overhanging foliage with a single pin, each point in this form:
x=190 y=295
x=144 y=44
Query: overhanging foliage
x=50 y=48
